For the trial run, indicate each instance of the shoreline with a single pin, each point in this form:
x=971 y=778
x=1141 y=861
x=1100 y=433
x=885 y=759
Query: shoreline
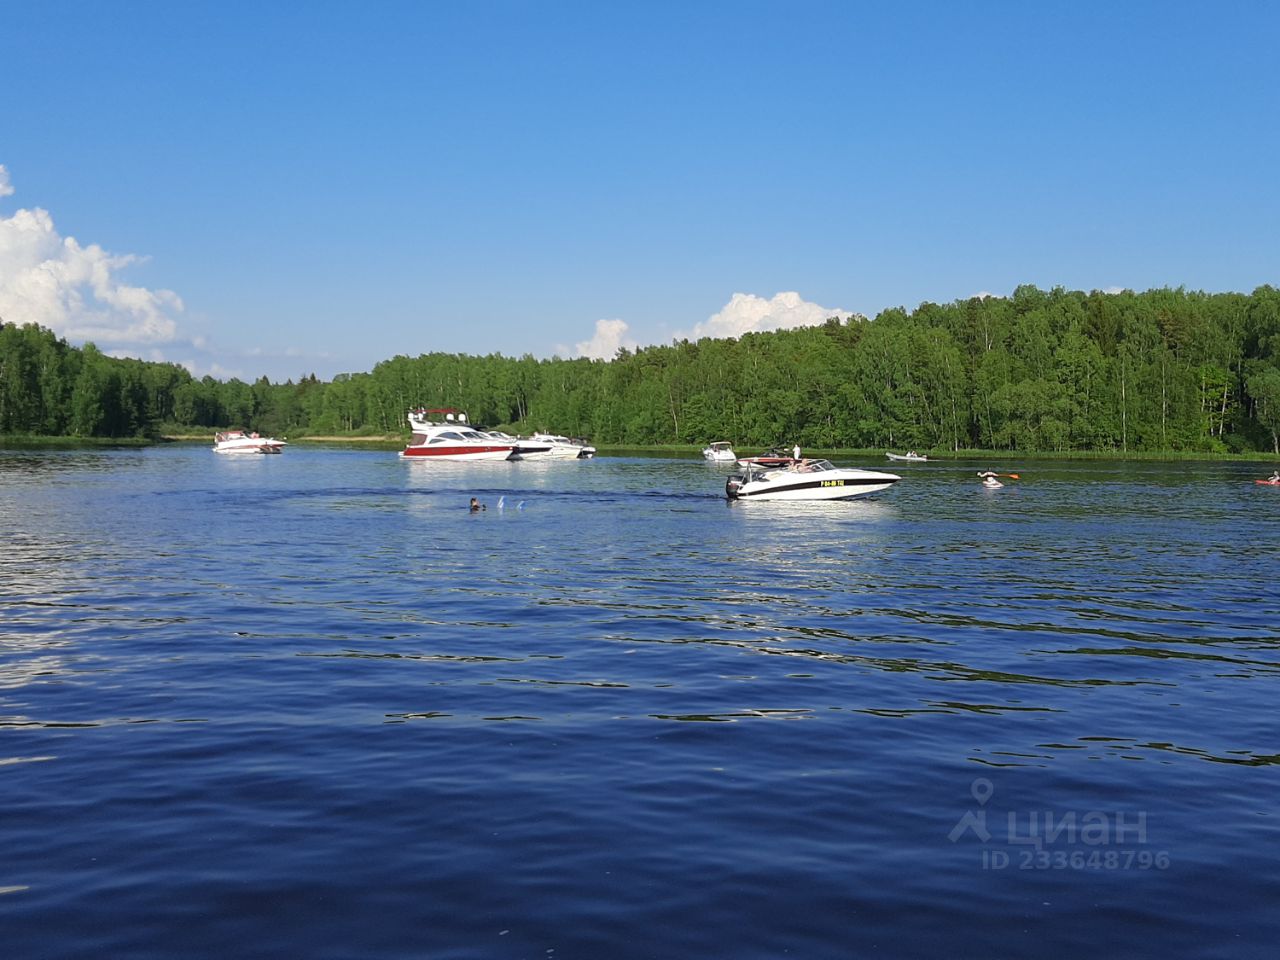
x=682 y=450
x=204 y=437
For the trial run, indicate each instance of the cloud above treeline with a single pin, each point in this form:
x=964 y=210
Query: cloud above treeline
x=74 y=290
x=610 y=337
x=744 y=313
x=747 y=313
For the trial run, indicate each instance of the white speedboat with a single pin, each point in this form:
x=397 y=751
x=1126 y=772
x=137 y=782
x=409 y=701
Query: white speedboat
x=911 y=456
x=807 y=480
x=719 y=451
x=237 y=441
x=446 y=435
x=556 y=448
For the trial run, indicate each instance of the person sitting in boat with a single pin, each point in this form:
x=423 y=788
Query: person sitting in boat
x=987 y=473
x=1275 y=476
x=476 y=505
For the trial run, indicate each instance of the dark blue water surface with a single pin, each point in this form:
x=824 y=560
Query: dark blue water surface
x=309 y=706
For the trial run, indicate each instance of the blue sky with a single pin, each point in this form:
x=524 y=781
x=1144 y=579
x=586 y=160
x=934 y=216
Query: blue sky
x=284 y=188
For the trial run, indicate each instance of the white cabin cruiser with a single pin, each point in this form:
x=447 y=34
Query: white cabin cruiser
x=237 y=441
x=446 y=435
x=719 y=451
x=558 y=448
x=807 y=480
x=524 y=449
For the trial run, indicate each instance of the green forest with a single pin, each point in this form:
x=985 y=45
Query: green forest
x=1058 y=370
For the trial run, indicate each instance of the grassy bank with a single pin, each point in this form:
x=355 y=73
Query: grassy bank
x=34 y=441
x=207 y=437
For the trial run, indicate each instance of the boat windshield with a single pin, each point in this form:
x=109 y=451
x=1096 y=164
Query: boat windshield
x=814 y=466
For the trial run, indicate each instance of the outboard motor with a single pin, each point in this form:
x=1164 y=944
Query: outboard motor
x=731 y=486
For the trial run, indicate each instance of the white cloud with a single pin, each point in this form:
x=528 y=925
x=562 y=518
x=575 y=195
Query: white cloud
x=748 y=313
x=744 y=313
x=74 y=290
x=610 y=337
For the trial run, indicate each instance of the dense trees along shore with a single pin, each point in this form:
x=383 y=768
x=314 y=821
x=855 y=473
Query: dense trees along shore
x=1059 y=370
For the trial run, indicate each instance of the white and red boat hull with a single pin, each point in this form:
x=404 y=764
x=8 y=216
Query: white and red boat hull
x=496 y=452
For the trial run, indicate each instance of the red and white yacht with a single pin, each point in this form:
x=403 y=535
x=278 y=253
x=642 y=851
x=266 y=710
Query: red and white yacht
x=446 y=435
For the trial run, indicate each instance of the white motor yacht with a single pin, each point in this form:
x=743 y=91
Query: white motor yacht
x=524 y=449
x=807 y=480
x=719 y=451
x=446 y=435
x=557 y=448
x=237 y=441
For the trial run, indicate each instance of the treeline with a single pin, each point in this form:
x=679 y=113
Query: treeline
x=48 y=388
x=1040 y=370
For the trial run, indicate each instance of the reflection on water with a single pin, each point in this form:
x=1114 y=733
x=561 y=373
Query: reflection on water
x=499 y=726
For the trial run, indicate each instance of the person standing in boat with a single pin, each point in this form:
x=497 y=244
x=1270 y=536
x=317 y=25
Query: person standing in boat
x=795 y=452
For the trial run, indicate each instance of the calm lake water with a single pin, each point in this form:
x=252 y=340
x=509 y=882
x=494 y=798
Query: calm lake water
x=309 y=706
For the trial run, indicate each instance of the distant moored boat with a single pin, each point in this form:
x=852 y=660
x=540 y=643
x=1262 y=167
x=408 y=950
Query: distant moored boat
x=237 y=441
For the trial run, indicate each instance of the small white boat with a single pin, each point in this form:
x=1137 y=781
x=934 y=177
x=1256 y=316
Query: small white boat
x=991 y=483
x=237 y=441
x=719 y=451
x=807 y=480
x=445 y=435
x=910 y=456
